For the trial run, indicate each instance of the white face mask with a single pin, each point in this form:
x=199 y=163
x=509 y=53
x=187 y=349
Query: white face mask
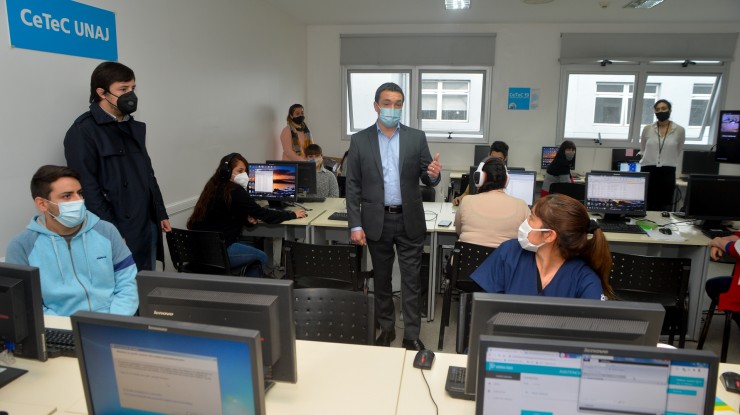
x=242 y=179
x=524 y=230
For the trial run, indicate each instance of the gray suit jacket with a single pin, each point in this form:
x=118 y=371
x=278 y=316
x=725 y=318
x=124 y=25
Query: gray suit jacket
x=365 y=189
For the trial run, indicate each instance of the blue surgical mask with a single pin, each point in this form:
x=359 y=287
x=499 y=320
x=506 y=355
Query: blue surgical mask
x=71 y=213
x=390 y=117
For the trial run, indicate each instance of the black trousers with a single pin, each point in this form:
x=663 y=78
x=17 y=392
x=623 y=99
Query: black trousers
x=661 y=186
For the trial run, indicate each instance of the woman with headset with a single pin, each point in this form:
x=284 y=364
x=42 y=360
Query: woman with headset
x=559 y=252
x=490 y=217
x=225 y=206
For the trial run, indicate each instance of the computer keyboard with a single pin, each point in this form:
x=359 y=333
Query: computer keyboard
x=311 y=199
x=60 y=343
x=620 y=227
x=455 y=384
x=339 y=216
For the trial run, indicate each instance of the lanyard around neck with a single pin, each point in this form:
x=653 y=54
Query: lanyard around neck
x=665 y=137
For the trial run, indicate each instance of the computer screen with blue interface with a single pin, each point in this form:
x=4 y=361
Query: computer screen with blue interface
x=533 y=376
x=142 y=365
x=629 y=166
x=548 y=154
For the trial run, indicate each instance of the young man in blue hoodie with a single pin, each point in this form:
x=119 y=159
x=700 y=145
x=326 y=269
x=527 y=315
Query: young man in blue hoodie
x=83 y=261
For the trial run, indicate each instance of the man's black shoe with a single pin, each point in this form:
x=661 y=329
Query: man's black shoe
x=413 y=344
x=385 y=338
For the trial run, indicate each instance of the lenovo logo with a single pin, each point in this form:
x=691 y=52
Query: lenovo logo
x=163 y=313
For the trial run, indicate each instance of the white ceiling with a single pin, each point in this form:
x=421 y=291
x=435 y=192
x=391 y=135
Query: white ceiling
x=357 y=12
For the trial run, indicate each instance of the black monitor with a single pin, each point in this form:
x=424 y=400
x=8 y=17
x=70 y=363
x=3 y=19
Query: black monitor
x=521 y=184
x=616 y=194
x=553 y=318
x=541 y=376
x=144 y=365
x=728 y=137
x=481 y=152
x=548 y=155
x=624 y=155
x=306 y=176
x=699 y=162
x=713 y=199
x=629 y=166
x=251 y=303
x=21 y=311
x=274 y=182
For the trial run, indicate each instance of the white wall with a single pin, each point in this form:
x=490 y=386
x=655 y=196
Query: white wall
x=526 y=56
x=212 y=78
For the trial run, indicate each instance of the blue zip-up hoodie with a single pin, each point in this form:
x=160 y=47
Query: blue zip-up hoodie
x=95 y=272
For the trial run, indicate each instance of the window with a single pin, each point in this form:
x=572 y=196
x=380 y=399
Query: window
x=699 y=103
x=361 y=86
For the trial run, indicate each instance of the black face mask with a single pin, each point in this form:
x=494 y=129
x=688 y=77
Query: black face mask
x=662 y=116
x=127 y=102
x=299 y=120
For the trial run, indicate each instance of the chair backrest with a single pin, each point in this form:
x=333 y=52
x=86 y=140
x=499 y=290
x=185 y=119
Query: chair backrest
x=324 y=266
x=466 y=258
x=206 y=249
x=463 y=323
x=428 y=194
x=331 y=315
x=642 y=278
x=575 y=190
x=342 y=183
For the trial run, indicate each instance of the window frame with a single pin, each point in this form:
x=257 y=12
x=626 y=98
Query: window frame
x=641 y=71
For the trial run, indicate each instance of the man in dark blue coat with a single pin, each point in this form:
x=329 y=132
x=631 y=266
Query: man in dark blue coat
x=108 y=148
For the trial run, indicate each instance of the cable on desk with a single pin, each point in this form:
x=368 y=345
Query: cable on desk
x=430 y=391
x=429 y=212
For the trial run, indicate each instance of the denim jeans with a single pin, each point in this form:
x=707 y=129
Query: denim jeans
x=241 y=254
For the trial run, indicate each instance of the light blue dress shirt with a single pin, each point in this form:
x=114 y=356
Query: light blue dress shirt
x=389 y=157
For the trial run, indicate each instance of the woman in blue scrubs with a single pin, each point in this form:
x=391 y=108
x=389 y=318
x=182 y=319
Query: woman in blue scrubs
x=559 y=252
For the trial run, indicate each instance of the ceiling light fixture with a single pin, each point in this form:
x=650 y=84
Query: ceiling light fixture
x=642 y=4
x=457 y=4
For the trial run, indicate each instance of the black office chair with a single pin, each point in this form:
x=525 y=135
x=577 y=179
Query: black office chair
x=655 y=280
x=465 y=310
x=331 y=315
x=465 y=259
x=428 y=194
x=342 y=183
x=575 y=190
x=325 y=266
x=204 y=252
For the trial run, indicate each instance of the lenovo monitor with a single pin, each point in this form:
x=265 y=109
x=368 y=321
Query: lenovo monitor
x=21 y=310
x=250 y=303
x=540 y=376
x=712 y=199
x=274 y=182
x=699 y=162
x=521 y=184
x=616 y=194
x=305 y=176
x=728 y=137
x=144 y=365
x=553 y=318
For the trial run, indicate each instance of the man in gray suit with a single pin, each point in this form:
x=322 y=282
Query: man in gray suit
x=385 y=208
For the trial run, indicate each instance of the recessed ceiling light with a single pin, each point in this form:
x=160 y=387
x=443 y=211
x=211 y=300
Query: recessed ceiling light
x=642 y=4
x=537 y=1
x=457 y=4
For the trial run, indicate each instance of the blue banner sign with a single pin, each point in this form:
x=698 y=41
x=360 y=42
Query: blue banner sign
x=519 y=98
x=62 y=26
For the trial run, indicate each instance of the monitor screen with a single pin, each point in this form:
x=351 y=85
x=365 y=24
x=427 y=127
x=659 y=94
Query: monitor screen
x=621 y=155
x=521 y=185
x=728 y=137
x=712 y=197
x=548 y=154
x=21 y=310
x=616 y=193
x=305 y=175
x=629 y=166
x=699 y=162
x=540 y=376
x=560 y=318
x=481 y=152
x=143 y=365
x=275 y=182
x=251 y=303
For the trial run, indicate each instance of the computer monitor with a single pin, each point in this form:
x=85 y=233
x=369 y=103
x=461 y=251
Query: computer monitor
x=21 y=310
x=616 y=194
x=251 y=303
x=305 y=175
x=552 y=318
x=699 y=162
x=481 y=152
x=628 y=166
x=521 y=184
x=548 y=154
x=274 y=182
x=713 y=199
x=624 y=155
x=541 y=376
x=144 y=365
x=728 y=137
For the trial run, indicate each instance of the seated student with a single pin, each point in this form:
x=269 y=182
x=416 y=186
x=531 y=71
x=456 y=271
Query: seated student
x=559 y=170
x=326 y=181
x=83 y=261
x=225 y=206
x=717 y=286
x=498 y=149
x=490 y=217
x=553 y=255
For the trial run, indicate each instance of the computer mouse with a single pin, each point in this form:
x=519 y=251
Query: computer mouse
x=665 y=214
x=665 y=231
x=731 y=382
x=424 y=359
